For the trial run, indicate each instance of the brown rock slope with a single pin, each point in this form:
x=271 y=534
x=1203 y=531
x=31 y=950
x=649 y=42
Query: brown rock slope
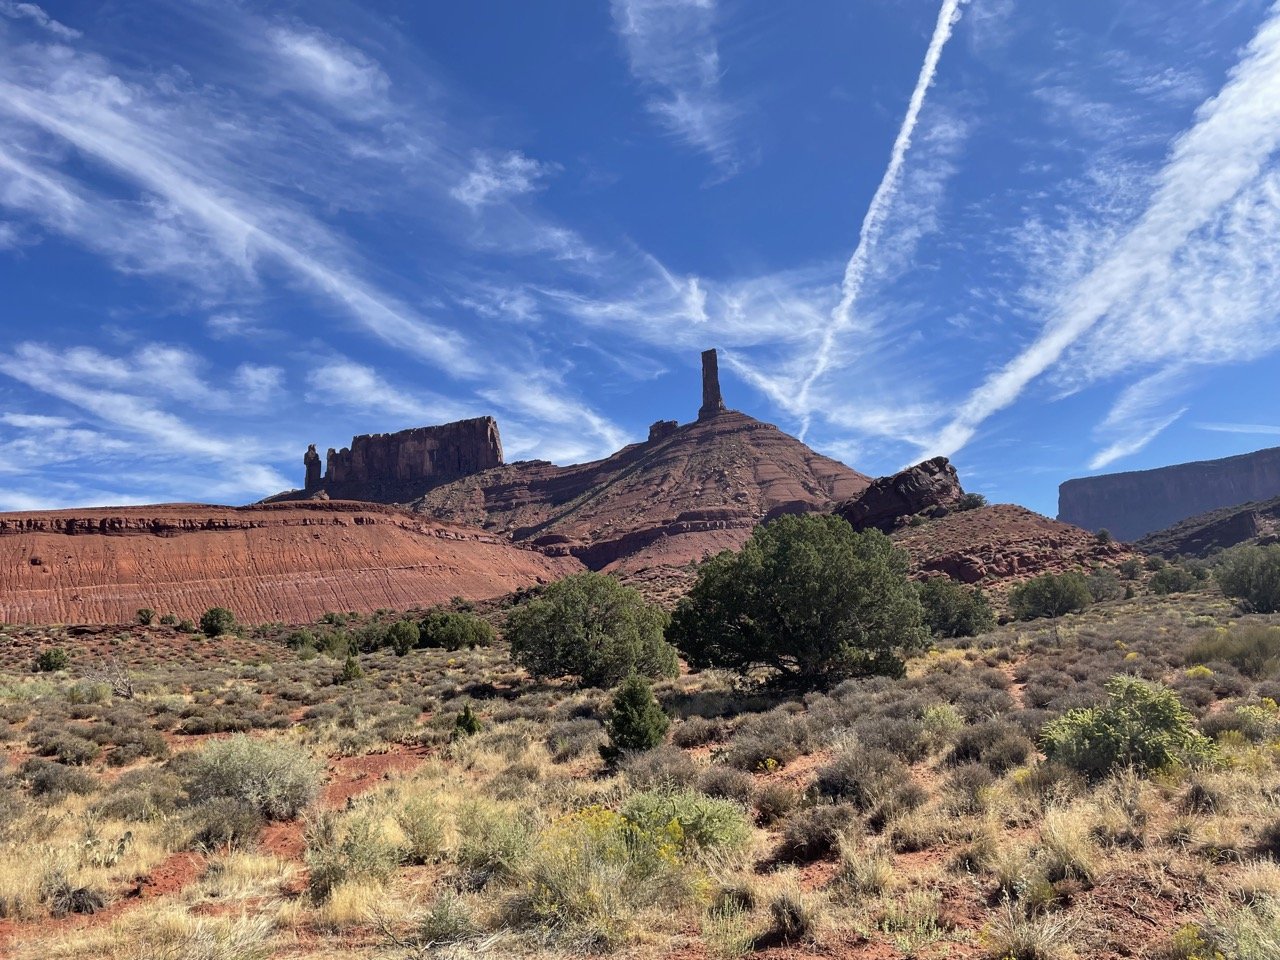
x=1002 y=545
x=687 y=492
x=1203 y=535
x=289 y=562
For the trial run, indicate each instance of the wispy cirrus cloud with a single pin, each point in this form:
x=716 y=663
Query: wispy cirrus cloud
x=1210 y=220
x=496 y=178
x=672 y=49
x=36 y=14
x=1253 y=429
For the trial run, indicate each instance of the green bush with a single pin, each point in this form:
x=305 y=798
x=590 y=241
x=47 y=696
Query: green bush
x=1174 y=578
x=1141 y=725
x=1253 y=649
x=705 y=823
x=403 y=636
x=346 y=851
x=1104 y=585
x=277 y=779
x=351 y=670
x=453 y=631
x=636 y=721
x=807 y=599
x=216 y=621
x=145 y=616
x=1050 y=595
x=1131 y=569
x=589 y=625
x=52 y=660
x=952 y=610
x=971 y=501
x=1252 y=574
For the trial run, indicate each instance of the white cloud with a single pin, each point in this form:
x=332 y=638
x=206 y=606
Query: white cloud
x=672 y=49
x=30 y=11
x=222 y=326
x=498 y=178
x=343 y=382
x=1257 y=429
x=319 y=64
x=34 y=421
x=1213 y=185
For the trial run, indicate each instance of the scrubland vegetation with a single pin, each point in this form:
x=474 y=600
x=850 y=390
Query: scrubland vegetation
x=1101 y=783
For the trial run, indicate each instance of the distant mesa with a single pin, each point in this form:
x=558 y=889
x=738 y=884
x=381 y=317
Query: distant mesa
x=1140 y=502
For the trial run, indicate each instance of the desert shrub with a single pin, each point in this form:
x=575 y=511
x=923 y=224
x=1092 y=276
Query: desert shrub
x=701 y=822
x=69 y=748
x=136 y=743
x=861 y=776
x=145 y=616
x=636 y=720
x=968 y=788
x=403 y=636
x=813 y=832
x=1130 y=569
x=277 y=779
x=1251 y=574
x=168 y=620
x=1104 y=585
x=591 y=626
x=1141 y=725
x=793 y=916
x=903 y=736
x=216 y=621
x=453 y=631
x=346 y=850
x=141 y=795
x=665 y=767
x=996 y=744
x=492 y=842
x=1174 y=578
x=768 y=741
x=54 y=780
x=774 y=801
x=953 y=610
x=971 y=501
x=731 y=784
x=424 y=829
x=1253 y=649
x=568 y=739
x=225 y=822
x=447 y=920
x=591 y=872
x=697 y=731
x=807 y=599
x=52 y=660
x=1050 y=595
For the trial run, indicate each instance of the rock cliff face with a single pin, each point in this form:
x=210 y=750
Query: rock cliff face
x=1137 y=503
x=1207 y=533
x=288 y=561
x=689 y=491
x=398 y=467
x=927 y=488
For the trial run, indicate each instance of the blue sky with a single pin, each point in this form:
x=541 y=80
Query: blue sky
x=1039 y=236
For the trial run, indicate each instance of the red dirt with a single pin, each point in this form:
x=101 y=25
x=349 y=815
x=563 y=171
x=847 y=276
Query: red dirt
x=289 y=561
x=351 y=776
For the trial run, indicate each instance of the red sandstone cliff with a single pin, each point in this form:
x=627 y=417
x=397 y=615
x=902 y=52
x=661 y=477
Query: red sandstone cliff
x=289 y=561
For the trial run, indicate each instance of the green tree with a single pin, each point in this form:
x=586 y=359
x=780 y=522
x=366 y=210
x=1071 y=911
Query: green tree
x=1050 y=595
x=636 y=720
x=351 y=670
x=971 y=501
x=1252 y=574
x=953 y=610
x=453 y=631
x=591 y=626
x=1174 y=578
x=145 y=616
x=808 y=599
x=1141 y=725
x=216 y=621
x=52 y=660
x=466 y=724
x=403 y=636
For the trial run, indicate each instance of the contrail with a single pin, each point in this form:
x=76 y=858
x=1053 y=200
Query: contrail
x=872 y=224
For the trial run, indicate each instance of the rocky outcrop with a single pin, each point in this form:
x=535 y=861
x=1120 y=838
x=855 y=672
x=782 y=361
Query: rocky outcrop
x=930 y=488
x=1002 y=545
x=1207 y=533
x=698 y=489
x=1133 y=504
x=288 y=561
x=398 y=467
x=661 y=429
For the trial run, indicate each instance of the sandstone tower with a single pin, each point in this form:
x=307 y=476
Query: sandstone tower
x=712 y=402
